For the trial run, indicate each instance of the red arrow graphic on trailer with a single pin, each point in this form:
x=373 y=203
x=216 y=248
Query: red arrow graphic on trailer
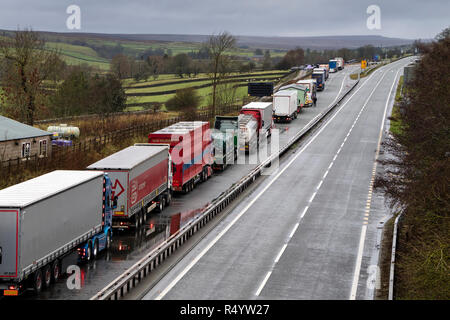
x=114 y=188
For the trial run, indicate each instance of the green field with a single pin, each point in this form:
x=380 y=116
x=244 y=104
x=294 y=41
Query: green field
x=203 y=92
x=74 y=54
x=180 y=86
x=128 y=83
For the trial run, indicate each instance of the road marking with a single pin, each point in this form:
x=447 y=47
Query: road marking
x=320 y=183
x=220 y=235
x=295 y=229
x=280 y=253
x=312 y=197
x=364 y=227
x=304 y=212
x=263 y=283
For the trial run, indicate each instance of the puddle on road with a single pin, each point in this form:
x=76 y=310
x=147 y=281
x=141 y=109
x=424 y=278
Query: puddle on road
x=127 y=248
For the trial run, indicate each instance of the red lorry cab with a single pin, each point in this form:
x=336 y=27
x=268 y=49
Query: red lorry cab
x=191 y=152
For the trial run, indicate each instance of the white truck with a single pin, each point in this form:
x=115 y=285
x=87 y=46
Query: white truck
x=285 y=105
x=262 y=112
x=248 y=133
x=340 y=63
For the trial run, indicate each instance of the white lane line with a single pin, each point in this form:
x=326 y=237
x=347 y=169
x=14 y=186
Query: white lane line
x=320 y=183
x=220 y=235
x=358 y=262
x=325 y=175
x=280 y=253
x=364 y=227
x=312 y=197
x=295 y=229
x=304 y=212
x=263 y=283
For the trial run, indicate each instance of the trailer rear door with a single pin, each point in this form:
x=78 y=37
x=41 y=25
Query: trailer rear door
x=9 y=241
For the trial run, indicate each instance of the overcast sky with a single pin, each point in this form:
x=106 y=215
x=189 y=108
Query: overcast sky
x=399 y=18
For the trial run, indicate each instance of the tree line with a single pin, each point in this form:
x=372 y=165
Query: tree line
x=36 y=83
x=299 y=56
x=417 y=173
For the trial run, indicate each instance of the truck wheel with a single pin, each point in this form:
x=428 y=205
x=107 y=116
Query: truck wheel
x=136 y=221
x=108 y=240
x=95 y=250
x=56 y=271
x=37 y=281
x=169 y=198
x=141 y=218
x=47 y=276
x=144 y=215
x=89 y=252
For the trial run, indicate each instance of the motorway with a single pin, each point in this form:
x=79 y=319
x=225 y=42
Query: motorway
x=128 y=247
x=309 y=231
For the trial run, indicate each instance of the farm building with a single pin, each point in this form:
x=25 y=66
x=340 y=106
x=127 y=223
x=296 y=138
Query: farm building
x=18 y=140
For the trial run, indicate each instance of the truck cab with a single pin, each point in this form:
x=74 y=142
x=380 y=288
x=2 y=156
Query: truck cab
x=101 y=240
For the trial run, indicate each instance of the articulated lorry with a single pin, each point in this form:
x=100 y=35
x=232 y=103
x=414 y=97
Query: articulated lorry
x=262 y=112
x=310 y=85
x=333 y=65
x=191 y=151
x=229 y=125
x=319 y=74
x=141 y=181
x=223 y=150
x=327 y=70
x=301 y=94
x=285 y=105
x=340 y=63
x=50 y=222
x=248 y=133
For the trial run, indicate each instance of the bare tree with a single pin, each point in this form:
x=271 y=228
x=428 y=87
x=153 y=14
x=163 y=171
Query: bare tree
x=218 y=45
x=29 y=63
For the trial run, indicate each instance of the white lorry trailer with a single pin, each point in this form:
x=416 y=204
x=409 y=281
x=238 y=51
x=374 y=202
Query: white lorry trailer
x=248 y=133
x=262 y=112
x=285 y=105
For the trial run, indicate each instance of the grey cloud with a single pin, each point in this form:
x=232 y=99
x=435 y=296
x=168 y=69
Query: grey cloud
x=402 y=18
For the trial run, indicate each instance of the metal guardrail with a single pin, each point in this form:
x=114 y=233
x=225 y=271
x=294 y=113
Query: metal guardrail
x=136 y=273
x=394 y=248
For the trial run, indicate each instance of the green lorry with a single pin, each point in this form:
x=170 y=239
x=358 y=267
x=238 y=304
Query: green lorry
x=226 y=135
x=301 y=93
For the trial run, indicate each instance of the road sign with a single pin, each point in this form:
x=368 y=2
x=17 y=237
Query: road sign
x=260 y=89
x=363 y=64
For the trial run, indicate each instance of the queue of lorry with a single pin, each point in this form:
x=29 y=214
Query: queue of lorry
x=48 y=221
